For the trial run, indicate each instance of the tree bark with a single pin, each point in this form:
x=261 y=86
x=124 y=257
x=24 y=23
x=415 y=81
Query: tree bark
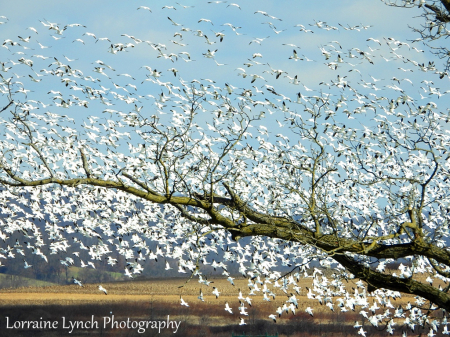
x=446 y=4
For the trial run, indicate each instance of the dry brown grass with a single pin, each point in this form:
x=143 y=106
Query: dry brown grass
x=145 y=298
x=162 y=291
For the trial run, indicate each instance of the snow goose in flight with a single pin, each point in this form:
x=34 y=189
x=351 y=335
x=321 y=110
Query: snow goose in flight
x=102 y=289
x=183 y=302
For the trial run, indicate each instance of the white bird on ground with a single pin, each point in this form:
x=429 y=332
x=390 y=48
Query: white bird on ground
x=102 y=289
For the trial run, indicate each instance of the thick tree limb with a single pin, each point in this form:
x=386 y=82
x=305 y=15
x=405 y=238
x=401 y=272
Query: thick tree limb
x=377 y=280
x=440 y=16
x=446 y=4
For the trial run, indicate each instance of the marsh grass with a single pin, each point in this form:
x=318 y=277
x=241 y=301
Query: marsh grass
x=156 y=299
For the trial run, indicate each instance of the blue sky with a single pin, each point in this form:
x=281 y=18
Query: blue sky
x=341 y=29
x=113 y=18
x=125 y=72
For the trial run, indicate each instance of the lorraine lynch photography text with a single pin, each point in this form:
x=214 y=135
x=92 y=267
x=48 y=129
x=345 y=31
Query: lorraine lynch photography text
x=107 y=322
